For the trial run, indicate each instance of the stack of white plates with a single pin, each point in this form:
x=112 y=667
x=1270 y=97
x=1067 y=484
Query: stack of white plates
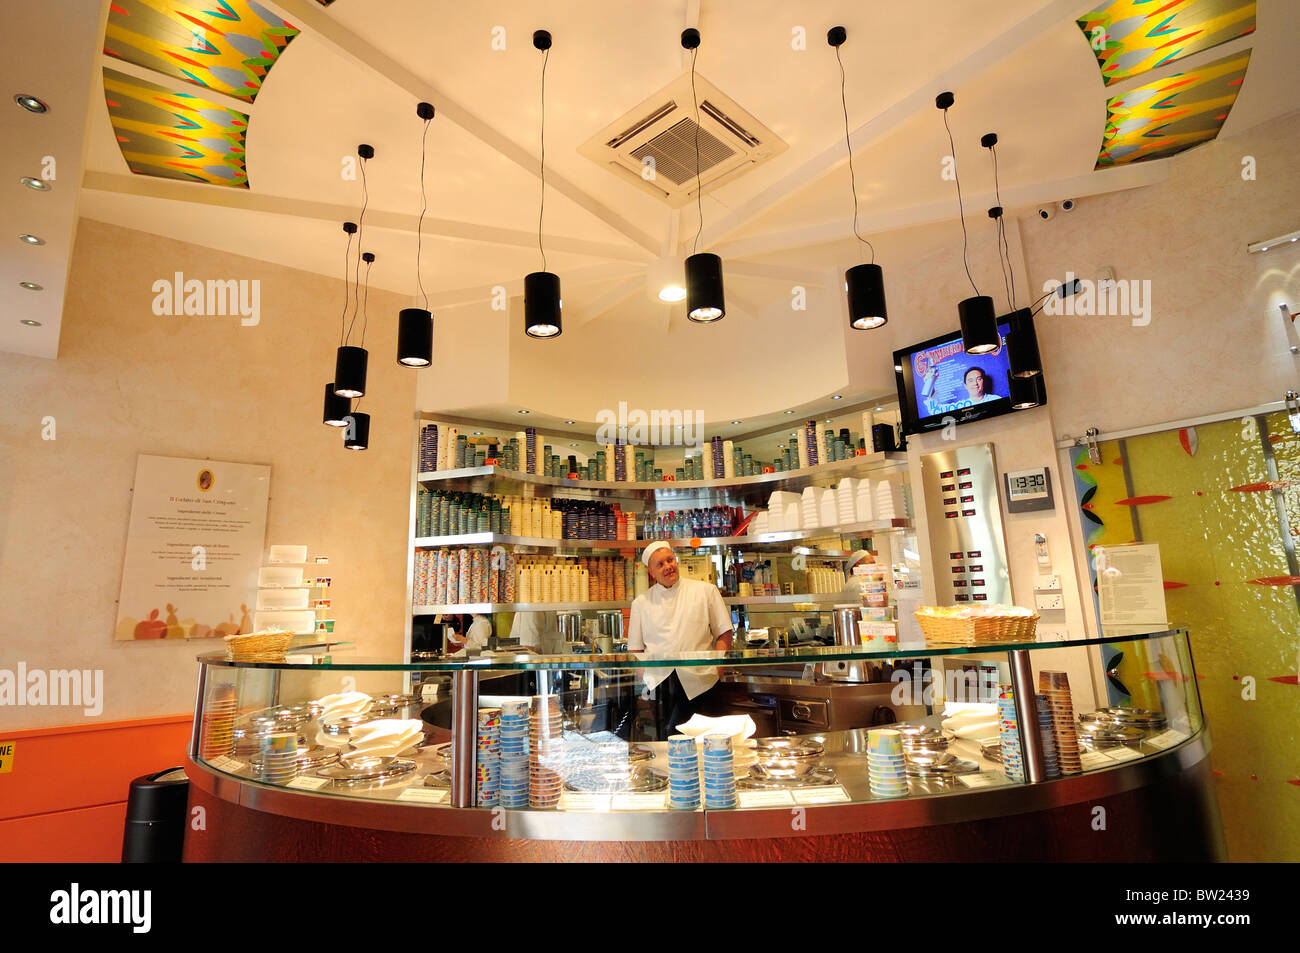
x=863 y=503
x=827 y=510
x=888 y=502
x=846 y=499
x=810 y=507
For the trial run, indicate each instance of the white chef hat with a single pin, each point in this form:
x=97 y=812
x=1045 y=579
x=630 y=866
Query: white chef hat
x=858 y=556
x=650 y=551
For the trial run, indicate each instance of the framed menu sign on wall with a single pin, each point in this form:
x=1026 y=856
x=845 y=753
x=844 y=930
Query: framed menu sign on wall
x=193 y=548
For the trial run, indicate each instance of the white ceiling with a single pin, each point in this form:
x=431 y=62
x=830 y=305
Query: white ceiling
x=358 y=69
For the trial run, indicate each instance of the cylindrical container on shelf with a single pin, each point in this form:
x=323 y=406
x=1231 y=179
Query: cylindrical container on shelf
x=478 y=575
x=464 y=590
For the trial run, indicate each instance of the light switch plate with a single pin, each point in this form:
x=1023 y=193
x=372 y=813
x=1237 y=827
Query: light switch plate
x=1048 y=583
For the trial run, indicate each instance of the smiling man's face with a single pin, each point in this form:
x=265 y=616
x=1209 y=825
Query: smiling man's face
x=663 y=567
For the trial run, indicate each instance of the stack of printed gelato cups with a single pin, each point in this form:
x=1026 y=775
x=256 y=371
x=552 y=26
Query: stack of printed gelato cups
x=279 y=757
x=488 y=765
x=514 y=753
x=545 y=752
x=719 y=772
x=885 y=763
x=1051 y=763
x=1009 y=732
x=217 y=737
x=683 y=773
x=1055 y=687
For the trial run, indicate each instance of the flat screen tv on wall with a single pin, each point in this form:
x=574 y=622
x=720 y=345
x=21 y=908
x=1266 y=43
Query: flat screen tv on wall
x=939 y=383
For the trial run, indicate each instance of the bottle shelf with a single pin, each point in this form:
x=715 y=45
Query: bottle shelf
x=755 y=539
x=750 y=489
x=486 y=608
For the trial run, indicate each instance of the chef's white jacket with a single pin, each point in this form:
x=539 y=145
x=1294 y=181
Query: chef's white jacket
x=689 y=617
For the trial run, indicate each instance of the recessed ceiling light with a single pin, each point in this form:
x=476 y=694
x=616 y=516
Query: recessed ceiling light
x=570 y=421
x=30 y=323
x=789 y=413
x=525 y=411
x=573 y=445
x=31 y=239
x=880 y=408
x=31 y=286
x=735 y=421
x=672 y=293
x=478 y=433
x=35 y=184
x=31 y=103
x=837 y=397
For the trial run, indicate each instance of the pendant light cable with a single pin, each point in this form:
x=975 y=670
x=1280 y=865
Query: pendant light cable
x=699 y=192
x=1003 y=247
x=853 y=183
x=424 y=205
x=960 y=210
x=361 y=224
x=546 y=58
x=365 y=303
x=347 y=294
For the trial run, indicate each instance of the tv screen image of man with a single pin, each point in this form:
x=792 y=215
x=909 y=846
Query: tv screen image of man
x=940 y=396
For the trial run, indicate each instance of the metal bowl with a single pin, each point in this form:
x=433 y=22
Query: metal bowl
x=616 y=779
x=918 y=754
x=765 y=748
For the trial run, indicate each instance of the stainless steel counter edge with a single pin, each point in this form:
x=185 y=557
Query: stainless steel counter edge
x=831 y=819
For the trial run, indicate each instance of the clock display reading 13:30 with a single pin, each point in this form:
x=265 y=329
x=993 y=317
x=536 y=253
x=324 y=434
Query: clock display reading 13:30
x=1028 y=490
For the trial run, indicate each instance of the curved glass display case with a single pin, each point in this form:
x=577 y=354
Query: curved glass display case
x=924 y=732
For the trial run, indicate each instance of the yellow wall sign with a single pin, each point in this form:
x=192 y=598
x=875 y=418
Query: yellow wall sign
x=7 y=756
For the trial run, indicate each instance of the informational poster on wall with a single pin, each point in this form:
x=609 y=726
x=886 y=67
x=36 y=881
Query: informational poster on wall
x=193 y=548
x=1130 y=588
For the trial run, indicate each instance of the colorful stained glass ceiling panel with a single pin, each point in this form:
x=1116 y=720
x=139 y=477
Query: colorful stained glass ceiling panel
x=175 y=135
x=1165 y=117
x=1130 y=37
x=228 y=46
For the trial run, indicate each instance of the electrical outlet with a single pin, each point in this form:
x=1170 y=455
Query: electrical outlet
x=1049 y=600
x=1047 y=583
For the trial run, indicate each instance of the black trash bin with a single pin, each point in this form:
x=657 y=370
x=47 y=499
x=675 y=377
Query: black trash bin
x=155 y=818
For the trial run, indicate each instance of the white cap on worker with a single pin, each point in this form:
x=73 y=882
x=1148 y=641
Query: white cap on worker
x=650 y=551
x=857 y=557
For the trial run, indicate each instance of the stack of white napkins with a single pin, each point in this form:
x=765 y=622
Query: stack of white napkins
x=888 y=501
x=810 y=507
x=336 y=708
x=762 y=523
x=863 y=508
x=739 y=727
x=384 y=737
x=971 y=720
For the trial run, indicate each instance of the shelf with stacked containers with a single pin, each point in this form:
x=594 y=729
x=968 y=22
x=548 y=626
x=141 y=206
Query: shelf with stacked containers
x=1026 y=729
x=495 y=539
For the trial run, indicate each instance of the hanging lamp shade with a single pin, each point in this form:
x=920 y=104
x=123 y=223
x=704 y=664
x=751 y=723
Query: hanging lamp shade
x=865 y=285
x=542 y=305
x=336 y=408
x=1025 y=392
x=356 y=435
x=350 y=371
x=979 y=325
x=1022 y=345
x=414 y=337
x=705 y=301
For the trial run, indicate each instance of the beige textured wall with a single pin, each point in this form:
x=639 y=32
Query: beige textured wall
x=129 y=382
x=1215 y=341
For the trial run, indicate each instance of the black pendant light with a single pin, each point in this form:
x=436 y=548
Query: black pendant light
x=336 y=408
x=705 y=298
x=1025 y=392
x=356 y=435
x=979 y=321
x=542 y=301
x=1022 y=345
x=865 y=283
x=350 y=363
x=415 y=325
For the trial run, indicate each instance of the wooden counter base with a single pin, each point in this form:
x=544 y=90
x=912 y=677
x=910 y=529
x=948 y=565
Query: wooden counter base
x=1175 y=818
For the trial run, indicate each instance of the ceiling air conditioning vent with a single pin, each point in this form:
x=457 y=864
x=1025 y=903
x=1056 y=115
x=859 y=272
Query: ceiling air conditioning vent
x=653 y=144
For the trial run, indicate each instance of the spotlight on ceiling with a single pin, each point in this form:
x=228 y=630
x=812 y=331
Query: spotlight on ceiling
x=31 y=239
x=36 y=185
x=31 y=103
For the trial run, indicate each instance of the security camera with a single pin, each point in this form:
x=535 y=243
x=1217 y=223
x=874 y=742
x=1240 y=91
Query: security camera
x=1046 y=212
x=1067 y=205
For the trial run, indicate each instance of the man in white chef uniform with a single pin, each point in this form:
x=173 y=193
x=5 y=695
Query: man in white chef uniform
x=677 y=615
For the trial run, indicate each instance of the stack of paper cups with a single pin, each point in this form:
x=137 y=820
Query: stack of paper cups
x=728 y=459
x=719 y=772
x=279 y=753
x=1009 y=731
x=218 y=733
x=488 y=765
x=514 y=753
x=885 y=762
x=683 y=773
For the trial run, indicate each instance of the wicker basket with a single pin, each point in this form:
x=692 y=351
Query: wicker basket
x=951 y=630
x=258 y=646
